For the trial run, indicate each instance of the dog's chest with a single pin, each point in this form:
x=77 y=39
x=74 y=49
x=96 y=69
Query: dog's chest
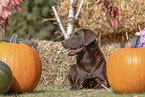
x=87 y=66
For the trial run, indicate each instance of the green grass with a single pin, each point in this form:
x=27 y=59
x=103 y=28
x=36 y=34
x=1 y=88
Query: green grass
x=52 y=91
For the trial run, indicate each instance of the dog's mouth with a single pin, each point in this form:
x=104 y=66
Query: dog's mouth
x=74 y=51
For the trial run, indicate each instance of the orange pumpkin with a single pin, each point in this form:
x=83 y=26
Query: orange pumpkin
x=126 y=70
x=24 y=63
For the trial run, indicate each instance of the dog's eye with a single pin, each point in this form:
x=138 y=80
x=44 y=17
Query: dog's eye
x=75 y=34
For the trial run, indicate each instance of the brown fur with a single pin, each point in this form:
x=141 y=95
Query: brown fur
x=89 y=70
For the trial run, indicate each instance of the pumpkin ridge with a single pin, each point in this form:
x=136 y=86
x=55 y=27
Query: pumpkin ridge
x=13 y=62
x=120 y=54
x=37 y=57
x=137 y=54
x=30 y=57
x=139 y=61
x=133 y=81
x=26 y=51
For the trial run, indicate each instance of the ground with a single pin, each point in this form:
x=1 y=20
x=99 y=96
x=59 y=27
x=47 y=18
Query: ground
x=54 y=91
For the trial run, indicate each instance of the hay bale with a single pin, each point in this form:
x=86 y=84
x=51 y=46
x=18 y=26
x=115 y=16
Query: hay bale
x=55 y=63
x=92 y=16
x=107 y=49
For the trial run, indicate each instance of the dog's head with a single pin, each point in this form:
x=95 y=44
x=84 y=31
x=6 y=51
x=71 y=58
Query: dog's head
x=80 y=37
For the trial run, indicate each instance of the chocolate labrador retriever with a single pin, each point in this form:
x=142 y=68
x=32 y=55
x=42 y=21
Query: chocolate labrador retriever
x=89 y=70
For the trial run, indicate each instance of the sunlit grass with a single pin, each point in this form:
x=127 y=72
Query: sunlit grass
x=54 y=91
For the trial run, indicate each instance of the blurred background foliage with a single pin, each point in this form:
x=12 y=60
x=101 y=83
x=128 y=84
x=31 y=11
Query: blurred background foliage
x=28 y=25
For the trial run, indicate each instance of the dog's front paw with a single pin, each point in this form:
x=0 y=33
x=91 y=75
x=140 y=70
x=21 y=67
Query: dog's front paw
x=75 y=87
x=98 y=86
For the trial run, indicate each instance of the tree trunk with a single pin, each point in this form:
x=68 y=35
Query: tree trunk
x=59 y=22
x=71 y=18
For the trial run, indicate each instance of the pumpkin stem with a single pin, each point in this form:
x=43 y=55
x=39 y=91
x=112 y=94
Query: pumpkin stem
x=135 y=41
x=13 y=38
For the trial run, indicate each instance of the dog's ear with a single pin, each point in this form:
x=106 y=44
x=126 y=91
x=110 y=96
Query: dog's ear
x=77 y=29
x=89 y=36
